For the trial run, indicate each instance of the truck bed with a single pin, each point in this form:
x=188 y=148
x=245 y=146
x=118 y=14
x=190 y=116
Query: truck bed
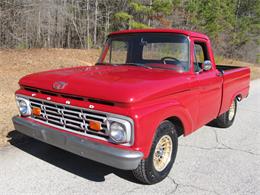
x=235 y=83
x=227 y=67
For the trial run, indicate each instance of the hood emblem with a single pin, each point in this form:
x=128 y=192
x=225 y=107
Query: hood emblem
x=59 y=85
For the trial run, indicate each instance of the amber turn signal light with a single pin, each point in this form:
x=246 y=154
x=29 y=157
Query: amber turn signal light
x=36 y=111
x=95 y=125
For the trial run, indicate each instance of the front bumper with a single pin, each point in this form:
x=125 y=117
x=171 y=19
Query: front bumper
x=115 y=157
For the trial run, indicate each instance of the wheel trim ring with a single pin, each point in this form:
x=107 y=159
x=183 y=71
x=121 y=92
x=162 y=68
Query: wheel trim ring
x=231 y=113
x=162 y=153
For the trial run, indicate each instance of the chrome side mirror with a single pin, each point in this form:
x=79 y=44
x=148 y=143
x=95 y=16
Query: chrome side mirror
x=207 y=65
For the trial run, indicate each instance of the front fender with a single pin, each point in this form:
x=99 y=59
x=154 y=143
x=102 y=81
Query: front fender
x=148 y=118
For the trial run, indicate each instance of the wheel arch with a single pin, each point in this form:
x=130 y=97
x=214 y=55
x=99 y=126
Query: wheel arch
x=237 y=96
x=178 y=123
x=173 y=112
x=180 y=128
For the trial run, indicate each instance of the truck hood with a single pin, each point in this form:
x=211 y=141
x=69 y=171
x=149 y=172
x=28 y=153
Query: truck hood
x=122 y=84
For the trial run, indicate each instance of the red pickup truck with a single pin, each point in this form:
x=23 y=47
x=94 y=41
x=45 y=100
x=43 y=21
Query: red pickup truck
x=148 y=87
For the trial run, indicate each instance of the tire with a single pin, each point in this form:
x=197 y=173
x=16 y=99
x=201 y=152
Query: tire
x=226 y=119
x=152 y=170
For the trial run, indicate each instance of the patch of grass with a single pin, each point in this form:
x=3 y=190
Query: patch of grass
x=255 y=68
x=16 y=63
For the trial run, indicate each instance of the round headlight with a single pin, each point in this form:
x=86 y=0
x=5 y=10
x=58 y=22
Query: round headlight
x=23 y=107
x=118 y=132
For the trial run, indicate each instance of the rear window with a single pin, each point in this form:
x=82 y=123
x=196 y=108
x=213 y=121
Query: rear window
x=156 y=51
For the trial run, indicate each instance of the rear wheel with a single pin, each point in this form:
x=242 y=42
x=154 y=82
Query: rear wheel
x=226 y=119
x=162 y=155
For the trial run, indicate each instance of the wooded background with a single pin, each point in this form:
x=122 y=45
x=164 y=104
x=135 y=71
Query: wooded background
x=232 y=25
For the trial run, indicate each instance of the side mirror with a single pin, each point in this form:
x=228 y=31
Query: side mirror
x=207 y=65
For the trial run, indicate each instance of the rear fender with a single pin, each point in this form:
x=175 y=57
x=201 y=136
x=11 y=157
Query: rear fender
x=241 y=94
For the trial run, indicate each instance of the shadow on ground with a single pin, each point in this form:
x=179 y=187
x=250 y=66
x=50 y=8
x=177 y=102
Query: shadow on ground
x=213 y=124
x=67 y=161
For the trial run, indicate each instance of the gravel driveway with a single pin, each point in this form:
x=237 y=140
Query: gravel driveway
x=210 y=161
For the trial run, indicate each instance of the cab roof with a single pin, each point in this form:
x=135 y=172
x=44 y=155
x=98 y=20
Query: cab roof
x=161 y=30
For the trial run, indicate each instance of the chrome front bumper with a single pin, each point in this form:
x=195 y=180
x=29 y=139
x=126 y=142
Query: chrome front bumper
x=115 y=157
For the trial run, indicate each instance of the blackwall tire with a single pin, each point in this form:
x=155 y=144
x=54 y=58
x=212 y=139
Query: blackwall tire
x=162 y=155
x=226 y=119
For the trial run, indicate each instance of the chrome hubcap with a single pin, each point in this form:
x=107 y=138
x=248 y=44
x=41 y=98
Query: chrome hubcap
x=163 y=152
x=231 y=113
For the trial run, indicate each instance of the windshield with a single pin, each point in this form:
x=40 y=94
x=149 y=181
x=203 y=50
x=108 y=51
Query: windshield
x=150 y=50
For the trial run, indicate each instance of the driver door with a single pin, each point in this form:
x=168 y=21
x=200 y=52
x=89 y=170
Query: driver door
x=209 y=84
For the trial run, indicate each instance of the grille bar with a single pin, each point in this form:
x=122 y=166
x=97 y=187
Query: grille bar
x=69 y=118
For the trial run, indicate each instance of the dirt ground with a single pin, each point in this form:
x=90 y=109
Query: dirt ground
x=16 y=63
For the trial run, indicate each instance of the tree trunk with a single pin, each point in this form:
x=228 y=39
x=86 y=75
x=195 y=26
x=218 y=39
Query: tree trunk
x=88 y=35
x=95 y=23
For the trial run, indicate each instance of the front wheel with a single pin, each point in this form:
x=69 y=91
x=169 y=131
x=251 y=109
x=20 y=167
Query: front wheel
x=162 y=155
x=226 y=119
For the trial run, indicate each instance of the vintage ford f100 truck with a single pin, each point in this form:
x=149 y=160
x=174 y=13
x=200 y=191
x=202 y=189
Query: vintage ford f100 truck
x=148 y=87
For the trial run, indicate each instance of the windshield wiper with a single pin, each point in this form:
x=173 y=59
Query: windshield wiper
x=130 y=64
x=138 y=64
x=106 y=64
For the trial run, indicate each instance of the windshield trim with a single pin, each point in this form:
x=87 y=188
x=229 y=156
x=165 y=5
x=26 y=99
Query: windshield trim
x=112 y=36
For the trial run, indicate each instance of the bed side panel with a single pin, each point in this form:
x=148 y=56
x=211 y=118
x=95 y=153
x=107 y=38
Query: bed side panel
x=236 y=82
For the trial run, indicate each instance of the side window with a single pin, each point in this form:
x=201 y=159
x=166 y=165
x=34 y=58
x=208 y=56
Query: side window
x=200 y=55
x=117 y=52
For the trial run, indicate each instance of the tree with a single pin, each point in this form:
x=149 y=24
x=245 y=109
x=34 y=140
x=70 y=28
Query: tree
x=142 y=14
x=232 y=25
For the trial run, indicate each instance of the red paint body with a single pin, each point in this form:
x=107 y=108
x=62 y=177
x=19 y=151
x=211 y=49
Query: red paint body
x=149 y=96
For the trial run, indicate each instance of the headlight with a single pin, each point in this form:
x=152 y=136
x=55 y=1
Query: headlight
x=23 y=106
x=117 y=132
x=120 y=130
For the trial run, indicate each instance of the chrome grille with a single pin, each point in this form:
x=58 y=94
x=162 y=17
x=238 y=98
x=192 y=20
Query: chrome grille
x=70 y=118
